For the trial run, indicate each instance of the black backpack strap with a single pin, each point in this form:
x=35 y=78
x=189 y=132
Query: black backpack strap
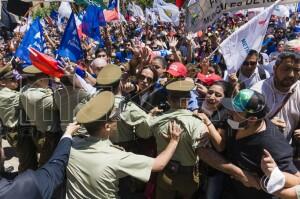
x=262 y=73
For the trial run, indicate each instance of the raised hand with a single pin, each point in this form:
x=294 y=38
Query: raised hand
x=174 y=131
x=72 y=128
x=173 y=42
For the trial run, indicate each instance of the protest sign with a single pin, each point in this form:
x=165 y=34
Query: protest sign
x=203 y=13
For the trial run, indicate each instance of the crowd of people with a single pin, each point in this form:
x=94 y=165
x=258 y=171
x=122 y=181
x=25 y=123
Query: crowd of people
x=154 y=114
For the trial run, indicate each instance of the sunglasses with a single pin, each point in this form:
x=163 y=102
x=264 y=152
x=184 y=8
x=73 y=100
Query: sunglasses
x=251 y=63
x=143 y=77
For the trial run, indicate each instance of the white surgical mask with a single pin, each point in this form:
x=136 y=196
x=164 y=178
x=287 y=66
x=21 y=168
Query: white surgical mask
x=236 y=125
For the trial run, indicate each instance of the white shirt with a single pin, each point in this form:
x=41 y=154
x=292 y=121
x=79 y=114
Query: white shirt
x=254 y=78
x=290 y=112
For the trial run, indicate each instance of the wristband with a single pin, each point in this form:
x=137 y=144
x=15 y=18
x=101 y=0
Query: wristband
x=208 y=124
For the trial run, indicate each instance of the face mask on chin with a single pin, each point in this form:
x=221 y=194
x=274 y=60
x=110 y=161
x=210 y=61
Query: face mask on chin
x=237 y=125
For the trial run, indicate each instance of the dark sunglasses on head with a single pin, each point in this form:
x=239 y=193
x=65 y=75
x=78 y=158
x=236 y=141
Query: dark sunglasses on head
x=247 y=63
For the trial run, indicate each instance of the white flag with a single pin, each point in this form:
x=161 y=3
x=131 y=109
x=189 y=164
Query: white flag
x=150 y=16
x=168 y=12
x=65 y=9
x=250 y=36
x=281 y=11
x=157 y=3
x=136 y=10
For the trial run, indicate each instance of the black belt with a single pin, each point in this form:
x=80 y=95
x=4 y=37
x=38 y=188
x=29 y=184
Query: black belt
x=175 y=167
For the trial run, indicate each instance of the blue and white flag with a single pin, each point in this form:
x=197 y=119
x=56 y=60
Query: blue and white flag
x=70 y=45
x=33 y=38
x=113 y=4
x=248 y=37
x=91 y=22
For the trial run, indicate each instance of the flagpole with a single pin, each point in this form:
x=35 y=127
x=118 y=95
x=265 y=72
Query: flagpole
x=213 y=52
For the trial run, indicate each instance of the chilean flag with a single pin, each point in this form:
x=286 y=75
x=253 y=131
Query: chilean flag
x=112 y=13
x=45 y=63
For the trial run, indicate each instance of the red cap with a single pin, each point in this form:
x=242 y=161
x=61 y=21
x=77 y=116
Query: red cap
x=208 y=79
x=177 y=69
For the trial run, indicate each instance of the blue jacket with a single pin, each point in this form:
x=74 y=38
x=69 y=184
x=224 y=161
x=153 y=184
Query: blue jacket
x=41 y=183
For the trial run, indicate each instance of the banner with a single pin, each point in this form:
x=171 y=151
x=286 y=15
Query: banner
x=233 y=5
x=236 y=47
x=203 y=13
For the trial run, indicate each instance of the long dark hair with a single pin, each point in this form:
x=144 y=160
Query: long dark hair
x=227 y=87
x=155 y=74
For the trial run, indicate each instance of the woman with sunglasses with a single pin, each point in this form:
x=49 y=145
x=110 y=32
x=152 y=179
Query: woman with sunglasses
x=140 y=90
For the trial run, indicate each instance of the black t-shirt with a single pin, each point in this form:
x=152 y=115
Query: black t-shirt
x=246 y=153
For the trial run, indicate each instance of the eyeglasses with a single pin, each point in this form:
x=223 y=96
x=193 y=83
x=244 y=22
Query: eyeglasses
x=143 y=77
x=247 y=63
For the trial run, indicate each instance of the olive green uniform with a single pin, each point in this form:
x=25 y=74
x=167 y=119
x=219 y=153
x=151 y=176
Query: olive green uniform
x=41 y=112
x=9 y=113
x=178 y=177
x=95 y=167
x=66 y=99
x=133 y=120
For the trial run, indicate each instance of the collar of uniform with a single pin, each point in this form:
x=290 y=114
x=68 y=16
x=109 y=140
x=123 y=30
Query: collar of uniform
x=100 y=140
x=291 y=90
x=7 y=89
x=179 y=110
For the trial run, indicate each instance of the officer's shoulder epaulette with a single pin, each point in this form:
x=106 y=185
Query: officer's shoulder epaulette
x=118 y=147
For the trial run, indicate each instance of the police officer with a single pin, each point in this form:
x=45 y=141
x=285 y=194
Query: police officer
x=132 y=118
x=132 y=121
x=95 y=164
x=44 y=132
x=180 y=178
x=66 y=98
x=9 y=107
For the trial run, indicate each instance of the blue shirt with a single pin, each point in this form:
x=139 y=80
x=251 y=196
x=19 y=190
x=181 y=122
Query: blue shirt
x=195 y=101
